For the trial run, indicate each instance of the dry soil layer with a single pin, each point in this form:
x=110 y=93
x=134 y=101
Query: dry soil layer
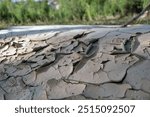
x=76 y=63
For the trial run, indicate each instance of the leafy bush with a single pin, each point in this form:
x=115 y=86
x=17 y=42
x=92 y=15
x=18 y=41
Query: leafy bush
x=70 y=10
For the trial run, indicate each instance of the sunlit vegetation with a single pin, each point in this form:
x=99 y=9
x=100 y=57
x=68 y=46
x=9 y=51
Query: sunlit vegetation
x=70 y=12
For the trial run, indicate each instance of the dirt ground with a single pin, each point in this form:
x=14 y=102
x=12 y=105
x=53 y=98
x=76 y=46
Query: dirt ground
x=75 y=62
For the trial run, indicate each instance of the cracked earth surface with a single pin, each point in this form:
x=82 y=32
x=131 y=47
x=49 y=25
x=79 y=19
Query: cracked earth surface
x=98 y=63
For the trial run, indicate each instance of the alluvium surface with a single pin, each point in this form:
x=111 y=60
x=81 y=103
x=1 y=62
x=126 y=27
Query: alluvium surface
x=95 y=63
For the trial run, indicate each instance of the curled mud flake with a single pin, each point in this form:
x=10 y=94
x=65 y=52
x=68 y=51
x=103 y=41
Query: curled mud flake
x=10 y=69
x=69 y=48
x=51 y=57
x=65 y=60
x=22 y=70
x=43 y=62
x=34 y=65
x=44 y=36
x=2 y=93
x=39 y=93
x=137 y=73
x=38 y=58
x=39 y=48
x=26 y=56
x=30 y=78
x=3 y=74
x=47 y=73
x=137 y=95
x=82 y=35
x=86 y=73
x=21 y=51
x=16 y=45
x=101 y=77
x=3 y=48
x=24 y=94
x=91 y=50
x=62 y=90
x=13 y=84
x=143 y=49
x=115 y=72
x=66 y=70
x=2 y=59
x=10 y=51
x=145 y=85
x=2 y=42
x=117 y=69
x=132 y=44
x=13 y=58
x=106 y=90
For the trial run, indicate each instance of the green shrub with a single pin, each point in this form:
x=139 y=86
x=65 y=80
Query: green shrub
x=70 y=11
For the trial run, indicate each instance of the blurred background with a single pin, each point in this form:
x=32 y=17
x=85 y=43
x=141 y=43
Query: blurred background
x=47 y=12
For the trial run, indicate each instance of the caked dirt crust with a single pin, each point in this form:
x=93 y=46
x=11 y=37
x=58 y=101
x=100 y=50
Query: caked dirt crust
x=89 y=63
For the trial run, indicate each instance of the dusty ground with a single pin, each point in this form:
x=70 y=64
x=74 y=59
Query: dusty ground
x=81 y=62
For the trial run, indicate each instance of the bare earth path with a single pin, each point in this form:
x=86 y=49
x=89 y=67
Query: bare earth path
x=75 y=62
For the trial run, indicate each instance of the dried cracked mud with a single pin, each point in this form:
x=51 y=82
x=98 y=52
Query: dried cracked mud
x=97 y=63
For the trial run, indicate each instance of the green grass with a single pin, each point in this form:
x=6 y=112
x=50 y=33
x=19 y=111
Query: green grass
x=70 y=12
